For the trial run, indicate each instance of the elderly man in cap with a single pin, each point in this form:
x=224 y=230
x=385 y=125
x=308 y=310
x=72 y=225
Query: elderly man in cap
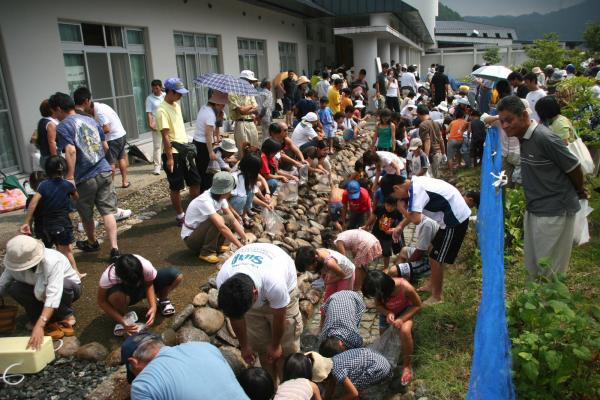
x=194 y=370
x=44 y=283
x=242 y=109
x=305 y=133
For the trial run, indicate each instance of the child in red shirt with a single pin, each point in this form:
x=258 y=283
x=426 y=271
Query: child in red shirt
x=357 y=205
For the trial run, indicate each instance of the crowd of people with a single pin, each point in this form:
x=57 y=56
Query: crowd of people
x=399 y=180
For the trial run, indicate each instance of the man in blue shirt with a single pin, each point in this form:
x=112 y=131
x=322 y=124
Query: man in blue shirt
x=194 y=370
x=81 y=139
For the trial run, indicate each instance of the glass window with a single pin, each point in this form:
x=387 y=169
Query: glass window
x=75 y=71
x=126 y=111
x=139 y=80
x=188 y=40
x=100 y=84
x=212 y=42
x=69 y=33
x=185 y=101
x=178 y=39
x=93 y=35
x=260 y=45
x=121 y=74
x=201 y=41
x=114 y=36
x=135 y=37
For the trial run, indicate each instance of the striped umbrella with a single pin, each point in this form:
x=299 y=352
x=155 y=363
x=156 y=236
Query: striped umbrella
x=226 y=84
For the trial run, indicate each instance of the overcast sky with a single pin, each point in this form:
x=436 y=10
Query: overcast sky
x=506 y=7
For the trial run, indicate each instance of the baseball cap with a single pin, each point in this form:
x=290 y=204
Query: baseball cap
x=175 y=84
x=353 y=188
x=129 y=347
x=310 y=117
x=415 y=143
x=248 y=75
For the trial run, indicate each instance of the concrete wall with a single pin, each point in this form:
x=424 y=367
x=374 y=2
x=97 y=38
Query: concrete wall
x=428 y=10
x=32 y=57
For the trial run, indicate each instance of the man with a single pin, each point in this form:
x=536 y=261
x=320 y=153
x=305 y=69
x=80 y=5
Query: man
x=342 y=314
x=241 y=110
x=317 y=159
x=178 y=160
x=304 y=134
x=361 y=82
x=258 y=292
x=408 y=82
x=535 y=93
x=516 y=82
x=381 y=80
x=289 y=91
x=309 y=103
x=265 y=104
x=81 y=139
x=334 y=95
x=314 y=79
x=289 y=151
x=194 y=370
x=152 y=102
x=441 y=202
x=541 y=77
x=44 y=283
x=430 y=131
x=323 y=85
x=553 y=184
x=440 y=85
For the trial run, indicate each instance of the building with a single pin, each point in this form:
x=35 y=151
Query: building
x=463 y=33
x=117 y=47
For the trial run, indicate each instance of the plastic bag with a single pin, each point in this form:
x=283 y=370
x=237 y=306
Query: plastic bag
x=303 y=174
x=388 y=345
x=273 y=222
x=288 y=192
x=579 y=149
x=581 y=229
x=213 y=167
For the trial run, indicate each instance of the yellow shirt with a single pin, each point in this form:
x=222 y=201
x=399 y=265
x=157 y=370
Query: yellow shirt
x=345 y=102
x=334 y=99
x=168 y=116
x=239 y=100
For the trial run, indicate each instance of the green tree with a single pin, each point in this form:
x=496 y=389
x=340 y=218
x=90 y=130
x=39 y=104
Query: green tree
x=545 y=51
x=447 y=14
x=492 y=55
x=591 y=36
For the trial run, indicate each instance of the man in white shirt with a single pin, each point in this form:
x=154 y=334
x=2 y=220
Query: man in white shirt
x=323 y=85
x=258 y=292
x=408 y=82
x=304 y=134
x=152 y=102
x=535 y=93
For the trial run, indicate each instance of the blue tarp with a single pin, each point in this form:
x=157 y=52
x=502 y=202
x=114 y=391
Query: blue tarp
x=491 y=365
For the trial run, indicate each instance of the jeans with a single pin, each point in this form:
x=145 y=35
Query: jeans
x=242 y=203
x=273 y=184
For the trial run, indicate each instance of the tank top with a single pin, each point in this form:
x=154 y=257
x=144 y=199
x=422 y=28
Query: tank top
x=43 y=135
x=384 y=137
x=397 y=303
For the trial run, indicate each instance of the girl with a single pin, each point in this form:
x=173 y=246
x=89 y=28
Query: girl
x=53 y=198
x=246 y=179
x=392 y=95
x=364 y=247
x=297 y=380
x=270 y=167
x=129 y=280
x=455 y=140
x=385 y=132
x=397 y=302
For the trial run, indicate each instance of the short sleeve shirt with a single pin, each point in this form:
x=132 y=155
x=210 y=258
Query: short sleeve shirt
x=344 y=262
x=238 y=100
x=356 y=240
x=152 y=103
x=334 y=99
x=343 y=311
x=439 y=81
x=54 y=206
x=303 y=133
x=268 y=166
x=168 y=116
x=387 y=159
x=364 y=367
x=206 y=117
x=417 y=162
x=532 y=99
x=455 y=129
x=199 y=210
x=272 y=270
x=438 y=200
x=106 y=115
x=385 y=222
x=109 y=277
x=360 y=205
x=563 y=128
x=425 y=232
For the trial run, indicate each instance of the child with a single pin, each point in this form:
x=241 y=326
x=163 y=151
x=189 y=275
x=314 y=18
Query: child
x=357 y=205
x=52 y=197
x=386 y=161
x=257 y=383
x=400 y=131
x=35 y=178
x=417 y=161
x=350 y=125
x=383 y=220
x=270 y=167
x=342 y=314
x=338 y=118
x=385 y=132
x=472 y=199
x=364 y=247
x=455 y=140
x=477 y=129
x=326 y=119
x=297 y=380
x=397 y=302
x=335 y=207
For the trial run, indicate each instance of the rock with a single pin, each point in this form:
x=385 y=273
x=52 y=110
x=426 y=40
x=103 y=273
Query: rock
x=200 y=299
x=314 y=231
x=180 y=318
x=234 y=358
x=302 y=243
x=313 y=295
x=306 y=308
x=169 y=337
x=208 y=319
x=114 y=358
x=304 y=235
x=93 y=351
x=250 y=237
x=191 y=334
x=114 y=387
x=212 y=281
x=290 y=242
x=226 y=337
x=292 y=227
x=264 y=240
x=304 y=286
x=312 y=276
x=69 y=348
x=213 y=298
x=419 y=387
x=286 y=247
x=309 y=342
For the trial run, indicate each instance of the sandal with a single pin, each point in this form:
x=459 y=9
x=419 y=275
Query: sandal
x=125 y=186
x=166 y=307
x=66 y=328
x=54 y=330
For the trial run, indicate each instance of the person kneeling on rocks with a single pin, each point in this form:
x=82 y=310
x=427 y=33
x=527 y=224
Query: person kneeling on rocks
x=194 y=370
x=258 y=292
x=208 y=220
x=44 y=283
x=130 y=279
x=342 y=314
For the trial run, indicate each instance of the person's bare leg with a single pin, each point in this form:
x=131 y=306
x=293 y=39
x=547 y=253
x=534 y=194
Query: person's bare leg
x=164 y=293
x=90 y=231
x=119 y=301
x=359 y=276
x=110 y=226
x=67 y=251
x=437 y=278
x=176 y=201
x=194 y=191
x=386 y=263
x=114 y=170
x=123 y=169
x=407 y=350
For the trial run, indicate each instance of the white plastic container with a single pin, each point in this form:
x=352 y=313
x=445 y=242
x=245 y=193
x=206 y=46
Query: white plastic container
x=12 y=351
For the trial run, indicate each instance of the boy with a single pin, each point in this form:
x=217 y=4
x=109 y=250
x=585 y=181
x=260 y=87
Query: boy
x=326 y=119
x=350 y=125
x=384 y=218
x=357 y=202
x=342 y=313
x=336 y=206
x=417 y=161
x=477 y=129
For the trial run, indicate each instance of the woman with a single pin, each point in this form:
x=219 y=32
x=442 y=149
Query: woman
x=46 y=133
x=130 y=279
x=548 y=110
x=392 y=94
x=208 y=220
x=206 y=127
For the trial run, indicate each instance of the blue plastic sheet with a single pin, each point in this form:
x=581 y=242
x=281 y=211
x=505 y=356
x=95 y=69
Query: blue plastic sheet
x=491 y=364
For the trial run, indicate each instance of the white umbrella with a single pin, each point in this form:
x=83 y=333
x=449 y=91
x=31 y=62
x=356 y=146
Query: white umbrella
x=492 y=72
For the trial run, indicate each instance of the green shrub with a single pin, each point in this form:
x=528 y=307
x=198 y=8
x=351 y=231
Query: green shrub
x=514 y=210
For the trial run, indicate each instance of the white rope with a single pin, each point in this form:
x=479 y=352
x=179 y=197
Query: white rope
x=60 y=344
x=501 y=179
x=5 y=376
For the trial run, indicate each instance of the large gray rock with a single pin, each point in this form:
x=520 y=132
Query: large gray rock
x=292 y=227
x=234 y=358
x=69 y=348
x=304 y=235
x=114 y=358
x=200 y=300
x=213 y=298
x=93 y=351
x=208 y=319
x=191 y=334
x=169 y=337
x=180 y=318
x=302 y=242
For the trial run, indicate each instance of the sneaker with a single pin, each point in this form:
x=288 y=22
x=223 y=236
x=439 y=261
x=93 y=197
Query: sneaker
x=180 y=220
x=211 y=258
x=86 y=246
x=156 y=170
x=114 y=255
x=122 y=214
x=81 y=229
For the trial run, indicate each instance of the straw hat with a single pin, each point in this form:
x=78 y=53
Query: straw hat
x=228 y=145
x=218 y=97
x=321 y=366
x=536 y=70
x=23 y=252
x=302 y=79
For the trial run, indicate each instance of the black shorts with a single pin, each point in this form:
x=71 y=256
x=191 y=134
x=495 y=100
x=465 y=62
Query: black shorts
x=116 y=150
x=389 y=247
x=288 y=104
x=164 y=278
x=57 y=235
x=446 y=243
x=182 y=173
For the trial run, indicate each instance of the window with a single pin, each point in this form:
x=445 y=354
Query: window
x=252 y=56
x=510 y=36
x=111 y=62
x=497 y=36
x=195 y=54
x=485 y=35
x=8 y=157
x=288 y=56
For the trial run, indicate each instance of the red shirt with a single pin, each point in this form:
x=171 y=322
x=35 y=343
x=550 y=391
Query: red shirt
x=360 y=205
x=264 y=169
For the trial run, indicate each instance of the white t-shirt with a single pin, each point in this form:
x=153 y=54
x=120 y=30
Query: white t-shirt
x=417 y=162
x=206 y=117
x=106 y=115
x=438 y=200
x=532 y=98
x=387 y=158
x=152 y=103
x=240 y=184
x=408 y=79
x=303 y=133
x=392 y=90
x=272 y=270
x=109 y=278
x=344 y=262
x=199 y=210
x=349 y=123
x=425 y=231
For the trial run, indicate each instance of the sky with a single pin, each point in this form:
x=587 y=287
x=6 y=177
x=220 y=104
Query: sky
x=506 y=7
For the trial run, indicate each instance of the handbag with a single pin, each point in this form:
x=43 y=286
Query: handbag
x=580 y=150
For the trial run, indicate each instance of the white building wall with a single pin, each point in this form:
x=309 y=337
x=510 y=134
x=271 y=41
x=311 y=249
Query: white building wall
x=33 y=56
x=428 y=10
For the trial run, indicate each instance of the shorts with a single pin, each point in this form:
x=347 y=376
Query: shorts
x=348 y=134
x=288 y=104
x=116 y=150
x=182 y=173
x=356 y=220
x=98 y=191
x=329 y=132
x=383 y=324
x=454 y=147
x=164 y=278
x=413 y=269
x=57 y=235
x=335 y=211
x=389 y=247
x=446 y=243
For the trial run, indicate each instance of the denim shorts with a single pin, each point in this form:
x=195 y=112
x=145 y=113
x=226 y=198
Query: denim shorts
x=164 y=278
x=335 y=211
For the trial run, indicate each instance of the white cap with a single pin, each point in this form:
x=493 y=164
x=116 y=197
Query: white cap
x=248 y=75
x=335 y=76
x=310 y=117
